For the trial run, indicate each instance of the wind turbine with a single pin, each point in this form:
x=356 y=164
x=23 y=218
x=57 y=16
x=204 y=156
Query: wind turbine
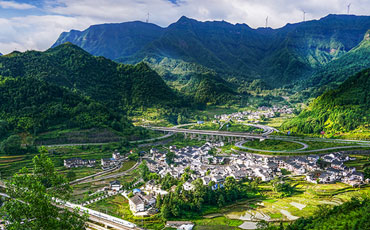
x=147 y=17
x=348 y=7
x=304 y=15
x=267 y=21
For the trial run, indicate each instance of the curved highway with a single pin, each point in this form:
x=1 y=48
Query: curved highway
x=269 y=130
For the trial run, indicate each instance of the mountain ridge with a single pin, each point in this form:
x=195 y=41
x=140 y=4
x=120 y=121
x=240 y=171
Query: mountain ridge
x=279 y=56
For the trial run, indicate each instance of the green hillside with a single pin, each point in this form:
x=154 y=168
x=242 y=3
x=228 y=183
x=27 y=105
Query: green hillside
x=340 y=110
x=338 y=70
x=33 y=105
x=116 y=85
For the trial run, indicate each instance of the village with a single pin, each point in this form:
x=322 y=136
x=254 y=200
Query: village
x=256 y=116
x=327 y=168
x=204 y=163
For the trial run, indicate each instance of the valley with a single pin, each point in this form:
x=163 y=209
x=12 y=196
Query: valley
x=194 y=125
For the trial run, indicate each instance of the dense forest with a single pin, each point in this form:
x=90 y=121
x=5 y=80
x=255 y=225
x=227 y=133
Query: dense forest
x=32 y=105
x=115 y=85
x=340 y=110
x=354 y=214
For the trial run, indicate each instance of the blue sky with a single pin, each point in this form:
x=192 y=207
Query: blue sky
x=36 y=24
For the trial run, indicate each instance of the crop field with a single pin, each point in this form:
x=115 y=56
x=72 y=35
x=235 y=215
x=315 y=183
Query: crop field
x=303 y=203
x=12 y=164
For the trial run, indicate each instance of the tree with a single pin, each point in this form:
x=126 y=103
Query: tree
x=34 y=195
x=166 y=212
x=12 y=145
x=158 y=202
x=221 y=201
x=3 y=128
x=367 y=173
x=144 y=171
x=169 y=157
x=180 y=119
x=71 y=175
x=133 y=156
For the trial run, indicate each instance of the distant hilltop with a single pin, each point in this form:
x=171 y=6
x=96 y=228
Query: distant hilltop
x=279 y=57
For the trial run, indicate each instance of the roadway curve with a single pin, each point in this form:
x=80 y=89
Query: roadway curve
x=267 y=130
x=361 y=144
x=257 y=136
x=240 y=146
x=111 y=176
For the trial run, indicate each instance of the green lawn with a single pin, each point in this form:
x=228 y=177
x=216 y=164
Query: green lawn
x=273 y=145
x=220 y=222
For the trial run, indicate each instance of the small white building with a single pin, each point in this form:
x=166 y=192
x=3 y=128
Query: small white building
x=136 y=203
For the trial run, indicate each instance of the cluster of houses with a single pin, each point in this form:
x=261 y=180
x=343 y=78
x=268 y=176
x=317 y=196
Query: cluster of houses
x=211 y=168
x=277 y=109
x=331 y=168
x=112 y=162
x=77 y=162
x=335 y=171
x=197 y=158
x=267 y=112
x=106 y=163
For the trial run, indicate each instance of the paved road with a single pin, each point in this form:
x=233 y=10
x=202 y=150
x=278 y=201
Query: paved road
x=266 y=129
x=113 y=175
x=257 y=136
x=240 y=145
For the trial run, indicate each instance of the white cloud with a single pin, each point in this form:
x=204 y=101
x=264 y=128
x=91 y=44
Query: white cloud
x=15 y=5
x=36 y=32
x=40 y=32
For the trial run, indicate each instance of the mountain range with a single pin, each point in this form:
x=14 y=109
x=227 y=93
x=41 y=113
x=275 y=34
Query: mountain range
x=279 y=57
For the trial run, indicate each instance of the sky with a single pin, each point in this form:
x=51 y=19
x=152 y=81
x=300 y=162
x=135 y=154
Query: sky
x=36 y=24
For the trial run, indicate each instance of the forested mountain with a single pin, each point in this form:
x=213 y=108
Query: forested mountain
x=115 y=85
x=278 y=56
x=113 y=40
x=208 y=88
x=33 y=105
x=340 y=110
x=338 y=70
